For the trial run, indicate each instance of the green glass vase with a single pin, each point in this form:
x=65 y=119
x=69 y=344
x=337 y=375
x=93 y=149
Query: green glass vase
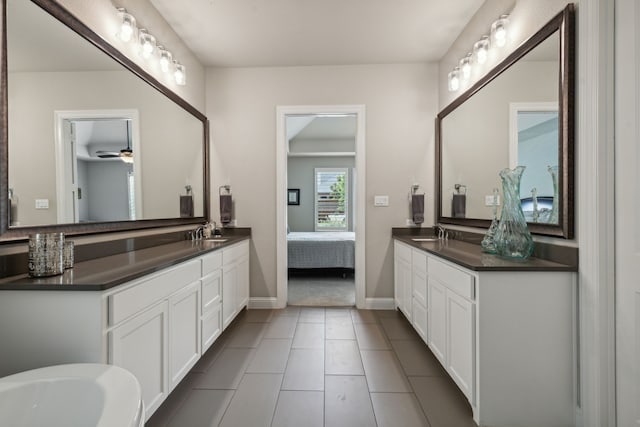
x=512 y=238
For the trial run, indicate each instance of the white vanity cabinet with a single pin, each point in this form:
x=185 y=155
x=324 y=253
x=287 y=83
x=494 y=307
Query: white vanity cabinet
x=154 y=331
x=506 y=336
x=156 y=326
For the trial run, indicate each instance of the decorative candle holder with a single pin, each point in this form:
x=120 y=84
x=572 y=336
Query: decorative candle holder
x=46 y=254
x=68 y=254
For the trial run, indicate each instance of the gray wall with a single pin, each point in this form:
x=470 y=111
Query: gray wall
x=106 y=192
x=301 y=175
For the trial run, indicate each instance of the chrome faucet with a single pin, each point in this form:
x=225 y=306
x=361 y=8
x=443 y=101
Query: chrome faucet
x=443 y=234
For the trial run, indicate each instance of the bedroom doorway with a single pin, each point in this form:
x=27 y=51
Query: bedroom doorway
x=320 y=206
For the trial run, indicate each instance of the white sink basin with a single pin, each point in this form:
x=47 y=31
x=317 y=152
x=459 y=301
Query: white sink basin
x=425 y=239
x=72 y=395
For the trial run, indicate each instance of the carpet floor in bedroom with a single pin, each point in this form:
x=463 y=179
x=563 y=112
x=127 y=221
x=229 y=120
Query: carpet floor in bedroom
x=322 y=290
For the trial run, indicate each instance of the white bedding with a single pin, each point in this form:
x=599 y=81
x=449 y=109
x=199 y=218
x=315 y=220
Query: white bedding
x=322 y=249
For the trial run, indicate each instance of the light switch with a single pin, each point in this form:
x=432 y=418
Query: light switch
x=488 y=200
x=42 y=203
x=381 y=201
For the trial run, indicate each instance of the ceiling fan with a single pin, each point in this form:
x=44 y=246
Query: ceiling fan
x=126 y=154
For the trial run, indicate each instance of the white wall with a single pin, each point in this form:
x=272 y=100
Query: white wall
x=401 y=102
x=300 y=174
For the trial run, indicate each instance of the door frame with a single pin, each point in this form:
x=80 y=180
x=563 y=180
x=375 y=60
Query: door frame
x=61 y=160
x=281 y=194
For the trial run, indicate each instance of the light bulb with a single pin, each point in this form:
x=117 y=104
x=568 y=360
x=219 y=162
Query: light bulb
x=499 y=31
x=180 y=74
x=147 y=43
x=454 y=80
x=465 y=66
x=127 y=26
x=166 y=59
x=481 y=49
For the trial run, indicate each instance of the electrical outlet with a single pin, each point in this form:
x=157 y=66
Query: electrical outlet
x=488 y=200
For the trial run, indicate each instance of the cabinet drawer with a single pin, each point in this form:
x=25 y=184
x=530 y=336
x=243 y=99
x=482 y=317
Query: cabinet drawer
x=211 y=262
x=143 y=294
x=458 y=281
x=211 y=325
x=235 y=252
x=211 y=290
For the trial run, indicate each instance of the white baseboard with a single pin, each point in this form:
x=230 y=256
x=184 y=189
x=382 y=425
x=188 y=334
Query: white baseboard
x=369 y=304
x=379 y=304
x=263 y=302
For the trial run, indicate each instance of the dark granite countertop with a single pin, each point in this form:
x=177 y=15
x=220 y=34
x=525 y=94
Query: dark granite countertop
x=470 y=255
x=106 y=272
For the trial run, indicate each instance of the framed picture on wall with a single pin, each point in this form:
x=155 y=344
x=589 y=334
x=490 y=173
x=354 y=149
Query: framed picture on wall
x=293 y=196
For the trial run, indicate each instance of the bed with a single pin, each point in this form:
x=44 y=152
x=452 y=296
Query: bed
x=323 y=249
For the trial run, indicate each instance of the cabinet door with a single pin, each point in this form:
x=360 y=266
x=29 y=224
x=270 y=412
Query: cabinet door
x=184 y=329
x=242 y=292
x=140 y=346
x=402 y=278
x=229 y=297
x=420 y=323
x=419 y=276
x=211 y=290
x=437 y=324
x=461 y=342
x=211 y=326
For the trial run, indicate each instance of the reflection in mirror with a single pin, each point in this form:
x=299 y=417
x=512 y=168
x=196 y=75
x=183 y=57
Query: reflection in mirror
x=90 y=141
x=476 y=136
x=534 y=143
x=518 y=115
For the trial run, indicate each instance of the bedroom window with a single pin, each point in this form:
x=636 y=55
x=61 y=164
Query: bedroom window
x=331 y=199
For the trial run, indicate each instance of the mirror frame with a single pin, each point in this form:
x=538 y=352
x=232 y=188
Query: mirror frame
x=564 y=23
x=21 y=233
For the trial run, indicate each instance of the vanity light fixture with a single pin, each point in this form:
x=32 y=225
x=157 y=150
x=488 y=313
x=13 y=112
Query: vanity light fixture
x=454 y=80
x=465 y=66
x=481 y=49
x=180 y=73
x=499 y=31
x=166 y=59
x=127 y=25
x=147 y=43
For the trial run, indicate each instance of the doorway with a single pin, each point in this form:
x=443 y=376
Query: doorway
x=97 y=166
x=320 y=206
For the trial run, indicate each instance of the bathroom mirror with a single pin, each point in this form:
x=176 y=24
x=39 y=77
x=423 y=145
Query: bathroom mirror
x=90 y=141
x=520 y=113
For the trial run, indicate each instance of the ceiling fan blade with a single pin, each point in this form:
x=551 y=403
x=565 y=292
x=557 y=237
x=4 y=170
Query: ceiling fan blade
x=107 y=154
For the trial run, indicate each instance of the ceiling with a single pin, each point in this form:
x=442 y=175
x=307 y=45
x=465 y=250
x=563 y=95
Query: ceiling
x=246 y=33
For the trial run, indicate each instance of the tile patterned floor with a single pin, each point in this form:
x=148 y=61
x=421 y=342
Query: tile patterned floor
x=319 y=367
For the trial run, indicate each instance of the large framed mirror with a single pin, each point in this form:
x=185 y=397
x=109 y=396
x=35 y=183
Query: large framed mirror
x=520 y=113
x=90 y=141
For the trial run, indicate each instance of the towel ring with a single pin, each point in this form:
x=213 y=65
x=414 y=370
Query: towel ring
x=225 y=188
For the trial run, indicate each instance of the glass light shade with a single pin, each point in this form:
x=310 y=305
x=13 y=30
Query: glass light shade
x=147 y=43
x=127 y=25
x=481 y=49
x=166 y=59
x=465 y=66
x=499 y=31
x=180 y=73
x=454 y=80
